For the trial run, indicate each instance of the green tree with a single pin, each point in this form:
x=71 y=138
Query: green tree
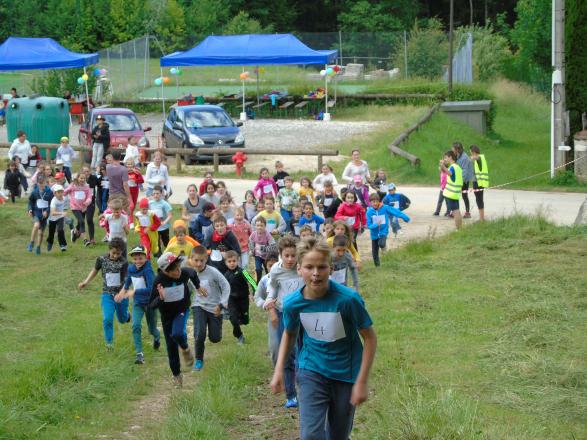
x=127 y=19
x=170 y=26
x=576 y=60
x=427 y=50
x=207 y=17
x=242 y=23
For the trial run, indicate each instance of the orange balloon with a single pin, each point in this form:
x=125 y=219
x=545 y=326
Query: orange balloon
x=165 y=80
x=244 y=75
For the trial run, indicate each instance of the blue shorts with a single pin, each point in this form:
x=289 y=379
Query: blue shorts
x=38 y=218
x=451 y=204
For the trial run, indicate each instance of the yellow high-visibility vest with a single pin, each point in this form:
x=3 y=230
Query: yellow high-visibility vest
x=482 y=175
x=452 y=190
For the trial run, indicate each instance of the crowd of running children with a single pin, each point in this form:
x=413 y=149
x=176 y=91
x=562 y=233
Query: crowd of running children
x=297 y=241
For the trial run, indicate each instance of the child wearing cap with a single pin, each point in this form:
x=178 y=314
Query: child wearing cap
x=114 y=267
x=56 y=216
x=181 y=244
x=146 y=224
x=207 y=305
x=64 y=155
x=171 y=294
x=378 y=216
x=397 y=201
x=38 y=208
x=140 y=276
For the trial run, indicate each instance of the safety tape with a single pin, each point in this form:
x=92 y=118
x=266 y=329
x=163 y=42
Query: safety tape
x=520 y=180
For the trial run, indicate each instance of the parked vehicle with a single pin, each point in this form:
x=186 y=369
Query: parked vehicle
x=122 y=122
x=191 y=127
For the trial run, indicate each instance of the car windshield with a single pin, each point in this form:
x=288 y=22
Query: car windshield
x=206 y=119
x=122 y=122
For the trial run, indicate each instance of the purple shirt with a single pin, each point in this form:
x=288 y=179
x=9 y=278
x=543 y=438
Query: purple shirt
x=117 y=175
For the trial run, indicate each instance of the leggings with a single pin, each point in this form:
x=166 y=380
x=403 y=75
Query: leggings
x=90 y=219
x=478 y=196
x=80 y=216
x=466 y=196
x=260 y=264
x=53 y=226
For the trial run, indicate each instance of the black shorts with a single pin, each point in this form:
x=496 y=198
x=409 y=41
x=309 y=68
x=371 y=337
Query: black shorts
x=451 y=204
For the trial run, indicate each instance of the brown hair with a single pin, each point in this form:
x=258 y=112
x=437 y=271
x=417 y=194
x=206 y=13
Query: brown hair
x=199 y=250
x=287 y=242
x=316 y=244
x=230 y=254
x=219 y=218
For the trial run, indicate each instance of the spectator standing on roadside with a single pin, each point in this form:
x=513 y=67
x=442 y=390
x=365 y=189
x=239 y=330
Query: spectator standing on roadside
x=118 y=178
x=468 y=174
x=100 y=141
x=20 y=147
x=356 y=167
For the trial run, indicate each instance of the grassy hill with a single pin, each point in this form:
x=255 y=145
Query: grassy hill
x=481 y=336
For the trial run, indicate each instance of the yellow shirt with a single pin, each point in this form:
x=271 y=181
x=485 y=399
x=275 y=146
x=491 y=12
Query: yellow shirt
x=306 y=195
x=178 y=249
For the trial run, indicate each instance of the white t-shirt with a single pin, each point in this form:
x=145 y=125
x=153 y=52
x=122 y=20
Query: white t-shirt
x=116 y=226
x=57 y=206
x=132 y=151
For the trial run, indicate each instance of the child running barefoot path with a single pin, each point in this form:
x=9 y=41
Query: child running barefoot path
x=333 y=367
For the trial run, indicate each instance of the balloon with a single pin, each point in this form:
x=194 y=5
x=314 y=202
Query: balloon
x=244 y=75
x=158 y=81
x=85 y=76
x=323 y=72
x=261 y=70
x=329 y=71
x=179 y=72
x=173 y=71
x=165 y=80
x=103 y=71
x=336 y=69
x=80 y=81
x=97 y=72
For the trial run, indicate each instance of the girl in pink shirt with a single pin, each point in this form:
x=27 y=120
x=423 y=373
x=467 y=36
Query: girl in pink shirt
x=242 y=230
x=352 y=213
x=443 y=177
x=80 y=197
x=265 y=186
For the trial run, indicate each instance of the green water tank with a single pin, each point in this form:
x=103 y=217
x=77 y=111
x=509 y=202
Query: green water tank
x=44 y=119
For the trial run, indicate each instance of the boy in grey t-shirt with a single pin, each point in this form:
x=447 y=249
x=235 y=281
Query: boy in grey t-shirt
x=207 y=308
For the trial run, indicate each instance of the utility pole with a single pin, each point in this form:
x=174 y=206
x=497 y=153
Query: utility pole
x=450 y=42
x=558 y=129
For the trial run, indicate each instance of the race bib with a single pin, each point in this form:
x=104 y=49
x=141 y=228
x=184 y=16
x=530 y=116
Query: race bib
x=42 y=204
x=260 y=248
x=267 y=189
x=328 y=202
x=350 y=221
x=379 y=219
x=174 y=293
x=296 y=229
x=314 y=226
x=323 y=326
x=33 y=163
x=105 y=184
x=339 y=276
x=144 y=220
x=132 y=183
x=113 y=279
x=216 y=255
x=205 y=284
x=309 y=197
x=79 y=195
x=286 y=200
x=383 y=188
x=280 y=183
x=115 y=227
x=290 y=285
x=271 y=226
x=65 y=158
x=138 y=283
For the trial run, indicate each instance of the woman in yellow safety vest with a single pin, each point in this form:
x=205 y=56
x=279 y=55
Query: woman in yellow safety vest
x=482 y=176
x=454 y=185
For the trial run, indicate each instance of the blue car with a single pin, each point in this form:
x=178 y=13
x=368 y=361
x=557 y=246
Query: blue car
x=192 y=127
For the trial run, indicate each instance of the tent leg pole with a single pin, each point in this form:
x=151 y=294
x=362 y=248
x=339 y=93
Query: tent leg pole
x=243 y=115
x=326 y=114
x=162 y=95
x=87 y=93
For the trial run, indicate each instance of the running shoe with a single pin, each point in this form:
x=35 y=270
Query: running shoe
x=241 y=340
x=49 y=247
x=63 y=248
x=156 y=344
x=30 y=247
x=198 y=365
x=467 y=215
x=291 y=403
x=38 y=250
x=178 y=381
x=140 y=359
x=87 y=242
x=73 y=233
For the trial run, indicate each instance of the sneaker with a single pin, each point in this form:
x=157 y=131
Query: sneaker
x=109 y=347
x=93 y=242
x=87 y=242
x=30 y=247
x=467 y=215
x=105 y=239
x=63 y=248
x=73 y=234
x=156 y=344
x=198 y=365
x=291 y=403
x=140 y=359
x=49 y=247
x=436 y=214
x=38 y=250
x=188 y=357
x=241 y=340
x=178 y=381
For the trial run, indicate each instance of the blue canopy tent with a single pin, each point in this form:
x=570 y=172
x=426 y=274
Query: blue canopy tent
x=249 y=50
x=40 y=54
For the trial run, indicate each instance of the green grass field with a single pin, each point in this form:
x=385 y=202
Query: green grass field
x=481 y=336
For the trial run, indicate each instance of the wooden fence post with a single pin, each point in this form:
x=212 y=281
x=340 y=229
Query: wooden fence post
x=319 y=163
x=178 y=162
x=216 y=162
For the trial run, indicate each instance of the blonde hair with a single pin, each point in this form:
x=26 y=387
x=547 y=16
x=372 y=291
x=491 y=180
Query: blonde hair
x=310 y=244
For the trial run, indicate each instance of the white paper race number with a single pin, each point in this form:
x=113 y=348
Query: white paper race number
x=323 y=326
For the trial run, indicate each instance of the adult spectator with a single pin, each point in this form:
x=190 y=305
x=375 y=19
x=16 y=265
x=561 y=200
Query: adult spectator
x=118 y=178
x=468 y=174
x=67 y=95
x=13 y=93
x=20 y=147
x=100 y=141
x=356 y=167
x=481 y=176
x=156 y=174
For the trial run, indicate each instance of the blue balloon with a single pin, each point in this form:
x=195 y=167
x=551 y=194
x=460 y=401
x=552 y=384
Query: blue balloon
x=173 y=71
x=80 y=81
x=158 y=81
x=329 y=71
x=96 y=72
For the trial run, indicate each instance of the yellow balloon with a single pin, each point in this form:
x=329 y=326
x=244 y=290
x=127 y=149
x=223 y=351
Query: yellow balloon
x=85 y=77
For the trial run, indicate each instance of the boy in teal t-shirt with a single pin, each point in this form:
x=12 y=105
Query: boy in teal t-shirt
x=333 y=366
x=163 y=210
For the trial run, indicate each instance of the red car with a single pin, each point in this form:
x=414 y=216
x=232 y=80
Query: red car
x=122 y=122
